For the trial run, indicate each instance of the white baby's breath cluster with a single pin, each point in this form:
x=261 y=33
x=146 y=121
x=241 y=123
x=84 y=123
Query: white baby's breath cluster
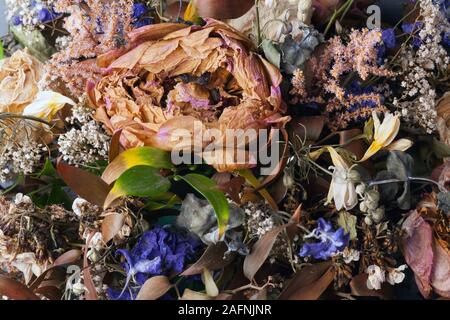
x=418 y=103
x=86 y=142
x=259 y=221
x=27 y=12
x=20 y=157
x=62 y=42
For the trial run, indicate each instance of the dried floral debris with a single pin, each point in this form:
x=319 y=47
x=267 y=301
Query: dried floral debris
x=93 y=95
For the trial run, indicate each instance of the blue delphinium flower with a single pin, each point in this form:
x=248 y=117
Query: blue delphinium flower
x=412 y=29
x=388 y=36
x=330 y=243
x=139 y=9
x=157 y=252
x=139 y=19
x=446 y=39
x=46 y=15
x=16 y=20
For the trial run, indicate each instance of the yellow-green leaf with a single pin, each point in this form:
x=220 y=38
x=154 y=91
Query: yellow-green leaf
x=2 y=53
x=348 y=222
x=139 y=181
x=141 y=156
x=210 y=190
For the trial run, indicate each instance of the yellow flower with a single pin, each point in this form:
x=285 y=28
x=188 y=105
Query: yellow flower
x=385 y=134
x=46 y=105
x=191 y=13
x=342 y=187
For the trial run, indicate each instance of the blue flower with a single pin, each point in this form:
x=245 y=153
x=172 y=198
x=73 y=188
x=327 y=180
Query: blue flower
x=44 y=15
x=143 y=22
x=330 y=243
x=446 y=39
x=139 y=9
x=16 y=20
x=157 y=252
x=388 y=36
x=412 y=28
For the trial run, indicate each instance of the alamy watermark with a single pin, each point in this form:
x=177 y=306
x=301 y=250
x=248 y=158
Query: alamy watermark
x=374 y=20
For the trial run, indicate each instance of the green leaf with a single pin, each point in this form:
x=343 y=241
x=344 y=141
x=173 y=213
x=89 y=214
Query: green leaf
x=48 y=170
x=139 y=181
x=209 y=189
x=368 y=130
x=348 y=222
x=2 y=52
x=271 y=53
x=165 y=201
x=34 y=41
x=400 y=164
x=141 y=156
x=441 y=149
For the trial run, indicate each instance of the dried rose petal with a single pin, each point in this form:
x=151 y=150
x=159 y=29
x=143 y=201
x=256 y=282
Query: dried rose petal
x=167 y=80
x=417 y=249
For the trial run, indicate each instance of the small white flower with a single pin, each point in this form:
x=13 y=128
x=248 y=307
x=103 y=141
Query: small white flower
x=396 y=275
x=27 y=264
x=77 y=206
x=376 y=277
x=21 y=198
x=350 y=255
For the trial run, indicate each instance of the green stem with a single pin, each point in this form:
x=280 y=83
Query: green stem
x=342 y=10
x=258 y=24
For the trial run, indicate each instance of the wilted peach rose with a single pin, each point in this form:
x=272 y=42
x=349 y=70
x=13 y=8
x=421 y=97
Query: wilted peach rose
x=175 y=76
x=19 y=76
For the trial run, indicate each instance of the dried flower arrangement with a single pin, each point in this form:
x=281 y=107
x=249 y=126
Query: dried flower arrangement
x=93 y=95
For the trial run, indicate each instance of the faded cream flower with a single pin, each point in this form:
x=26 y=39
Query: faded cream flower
x=46 y=105
x=19 y=77
x=385 y=134
x=396 y=275
x=342 y=187
x=28 y=265
x=376 y=277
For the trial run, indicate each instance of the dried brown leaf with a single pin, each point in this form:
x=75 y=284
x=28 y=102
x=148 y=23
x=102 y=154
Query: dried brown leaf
x=260 y=252
x=85 y=184
x=154 y=288
x=212 y=259
x=310 y=282
x=15 y=290
x=111 y=226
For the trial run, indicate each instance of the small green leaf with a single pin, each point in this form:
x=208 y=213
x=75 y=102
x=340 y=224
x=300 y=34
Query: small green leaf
x=368 y=130
x=141 y=156
x=209 y=189
x=348 y=222
x=2 y=52
x=165 y=201
x=48 y=170
x=271 y=52
x=400 y=164
x=441 y=149
x=139 y=181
